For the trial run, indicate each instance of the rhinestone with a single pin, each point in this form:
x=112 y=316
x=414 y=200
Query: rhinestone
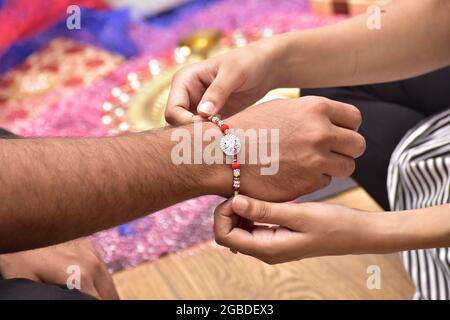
x=135 y=85
x=106 y=120
x=119 y=112
x=133 y=77
x=154 y=67
x=116 y=92
x=181 y=53
x=239 y=39
x=268 y=32
x=124 y=98
x=107 y=106
x=124 y=126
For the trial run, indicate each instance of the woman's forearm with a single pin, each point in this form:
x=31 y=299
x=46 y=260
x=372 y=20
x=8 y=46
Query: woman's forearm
x=410 y=229
x=414 y=39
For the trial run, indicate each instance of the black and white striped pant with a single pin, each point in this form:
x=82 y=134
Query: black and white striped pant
x=411 y=117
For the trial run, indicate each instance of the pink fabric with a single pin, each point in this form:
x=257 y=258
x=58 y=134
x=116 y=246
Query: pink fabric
x=22 y=18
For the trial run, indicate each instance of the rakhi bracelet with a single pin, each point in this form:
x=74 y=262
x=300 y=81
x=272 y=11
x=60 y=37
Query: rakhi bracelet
x=230 y=145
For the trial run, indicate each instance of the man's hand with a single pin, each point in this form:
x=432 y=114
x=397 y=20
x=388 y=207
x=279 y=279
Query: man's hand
x=296 y=231
x=317 y=140
x=49 y=265
x=227 y=83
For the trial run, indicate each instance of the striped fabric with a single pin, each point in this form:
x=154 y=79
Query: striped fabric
x=419 y=177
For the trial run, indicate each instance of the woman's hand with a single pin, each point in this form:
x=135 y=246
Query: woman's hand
x=226 y=83
x=299 y=231
x=49 y=265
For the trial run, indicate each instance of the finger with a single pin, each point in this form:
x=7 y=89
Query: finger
x=90 y=289
x=348 y=142
x=218 y=92
x=224 y=218
x=339 y=165
x=178 y=110
x=105 y=286
x=226 y=231
x=264 y=212
x=344 y=115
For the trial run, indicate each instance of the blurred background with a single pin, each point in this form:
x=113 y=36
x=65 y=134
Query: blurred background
x=103 y=67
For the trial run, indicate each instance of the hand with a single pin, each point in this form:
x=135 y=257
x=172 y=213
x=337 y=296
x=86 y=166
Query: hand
x=231 y=82
x=317 y=140
x=49 y=265
x=301 y=230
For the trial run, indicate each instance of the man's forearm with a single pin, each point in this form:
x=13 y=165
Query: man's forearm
x=414 y=39
x=57 y=189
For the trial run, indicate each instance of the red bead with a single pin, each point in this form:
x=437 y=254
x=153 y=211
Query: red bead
x=224 y=127
x=235 y=165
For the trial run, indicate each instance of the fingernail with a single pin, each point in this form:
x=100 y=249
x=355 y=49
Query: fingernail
x=239 y=204
x=206 y=107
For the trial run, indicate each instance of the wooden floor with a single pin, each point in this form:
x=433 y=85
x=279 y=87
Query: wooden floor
x=208 y=271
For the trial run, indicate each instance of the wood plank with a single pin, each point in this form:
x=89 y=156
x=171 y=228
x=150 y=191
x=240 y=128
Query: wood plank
x=142 y=282
x=210 y=272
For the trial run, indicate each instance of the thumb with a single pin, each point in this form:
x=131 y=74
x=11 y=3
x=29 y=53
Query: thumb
x=217 y=94
x=282 y=214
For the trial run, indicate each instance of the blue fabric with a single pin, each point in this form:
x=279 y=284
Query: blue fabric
x=106 y=29
x=169 y=18
x=126 y=230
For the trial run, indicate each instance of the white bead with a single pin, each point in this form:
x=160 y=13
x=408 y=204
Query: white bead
x=106 y=120
x=116 y=92
x=133 y=77
x=268 y=32
x=119 y=112
x=124 y=126
x=135 y=85
x=107 y=106
x=124 y=98
x=237 y=173
x=154 y=67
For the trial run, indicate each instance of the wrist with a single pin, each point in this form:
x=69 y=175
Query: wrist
x=217 y=176
x=274 y=52
x=283 y=55
x=391 y=231
x=373 y=232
